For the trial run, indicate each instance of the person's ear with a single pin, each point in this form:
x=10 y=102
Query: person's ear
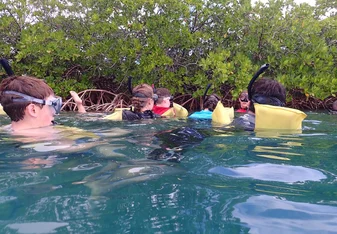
x=32 y=110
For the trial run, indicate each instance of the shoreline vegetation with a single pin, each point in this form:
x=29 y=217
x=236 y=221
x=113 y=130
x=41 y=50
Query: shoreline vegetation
x=180 y=45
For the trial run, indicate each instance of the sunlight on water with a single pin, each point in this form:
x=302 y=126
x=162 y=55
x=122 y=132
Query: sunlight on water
x=266 y=214
x=271 y=172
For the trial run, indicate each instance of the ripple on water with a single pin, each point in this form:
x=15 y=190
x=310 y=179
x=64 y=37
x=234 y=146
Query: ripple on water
x=36 y=227
x=4 y=199
x=267 y=214
x=271 y=172
x=19 y=179
x=86 y=167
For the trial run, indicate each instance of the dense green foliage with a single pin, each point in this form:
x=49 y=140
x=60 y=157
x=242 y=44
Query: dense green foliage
x=179 y=44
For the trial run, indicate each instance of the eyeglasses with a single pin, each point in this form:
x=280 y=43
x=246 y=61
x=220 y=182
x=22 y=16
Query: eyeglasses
x=245 y=99
x=56 y=102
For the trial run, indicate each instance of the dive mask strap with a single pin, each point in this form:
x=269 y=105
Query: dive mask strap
x=261 y=99
x=56 y=103
x=26 y=97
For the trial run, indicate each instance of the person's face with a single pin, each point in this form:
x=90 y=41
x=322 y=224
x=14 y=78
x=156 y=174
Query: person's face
x=45 y=115
x=166 y=102
x=149 y=104
x=244 y=102
x=244 y=105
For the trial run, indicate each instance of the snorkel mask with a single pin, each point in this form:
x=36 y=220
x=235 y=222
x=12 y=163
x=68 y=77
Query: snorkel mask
x=56 y=102
x=141 y=95
x=244 y=97
x=260 y=98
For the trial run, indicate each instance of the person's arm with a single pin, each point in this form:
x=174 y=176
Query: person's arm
x=78 y=102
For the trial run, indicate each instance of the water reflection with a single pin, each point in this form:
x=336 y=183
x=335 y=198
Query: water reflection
x=271 y=172
x=116 y=175
x=56 y=214
x=267 y=214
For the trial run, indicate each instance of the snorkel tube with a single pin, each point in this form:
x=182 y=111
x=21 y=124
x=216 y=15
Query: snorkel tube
x=7 y=67
x=257 y=74
x=130 y=84
x=205 y=93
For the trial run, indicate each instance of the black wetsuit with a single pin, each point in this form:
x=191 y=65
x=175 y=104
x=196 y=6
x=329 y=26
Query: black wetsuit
x=246 y=121
x=130 y=115
x=175 y=142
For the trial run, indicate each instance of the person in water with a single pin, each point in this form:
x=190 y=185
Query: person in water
x=29 y=102
x=263 y=91
x=209 y=106
x=164 y=102
x=142 y=101
x=244 y=102
x=142 y=104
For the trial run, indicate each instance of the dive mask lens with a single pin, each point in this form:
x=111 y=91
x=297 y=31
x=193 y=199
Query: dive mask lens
x=57 y=104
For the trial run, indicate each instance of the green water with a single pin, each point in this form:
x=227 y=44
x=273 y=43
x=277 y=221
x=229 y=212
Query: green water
x=228 y=181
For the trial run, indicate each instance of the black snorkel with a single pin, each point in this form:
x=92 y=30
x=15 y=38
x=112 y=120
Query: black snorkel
x=4 y=63
x=271 y=99
x=130 y=84
x=257 y=74
x=205 y=93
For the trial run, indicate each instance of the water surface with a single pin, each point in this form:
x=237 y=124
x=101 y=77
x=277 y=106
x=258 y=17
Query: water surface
x=125 y=177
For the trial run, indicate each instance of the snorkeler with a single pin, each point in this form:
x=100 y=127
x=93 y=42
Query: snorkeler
x=142 y=103
x=29 y=102
x=32 y=105
x=164 y=102
x=165 y=106
x=267 y=106
x=209 y=106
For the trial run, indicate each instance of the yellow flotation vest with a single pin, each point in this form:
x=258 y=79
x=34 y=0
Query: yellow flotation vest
x=276 y=117
x=117 y=115
x=2 y=112
x=176 y=111
x=223 y=115
x=74 y=133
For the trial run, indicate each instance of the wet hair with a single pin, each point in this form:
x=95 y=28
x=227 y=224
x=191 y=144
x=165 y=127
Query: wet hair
x=162 y=92
x=140 y=95
x=28 y=85
x=211 y=102
x=267 y=91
